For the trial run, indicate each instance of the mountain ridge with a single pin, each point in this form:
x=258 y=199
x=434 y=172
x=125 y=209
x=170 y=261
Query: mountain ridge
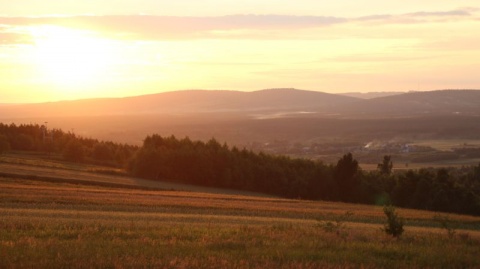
x=439 y=102
x=283 y=101
x=186 y=101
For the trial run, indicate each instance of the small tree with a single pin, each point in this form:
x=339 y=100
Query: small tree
x=447 y=224
x=386 y=166
x=394 y=225
x=345 y=175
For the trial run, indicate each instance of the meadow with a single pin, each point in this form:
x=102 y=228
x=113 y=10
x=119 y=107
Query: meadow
x=63 y=225
x=40 y=166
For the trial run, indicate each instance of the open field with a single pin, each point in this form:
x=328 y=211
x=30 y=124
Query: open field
x=40 y=167
x=61 y=225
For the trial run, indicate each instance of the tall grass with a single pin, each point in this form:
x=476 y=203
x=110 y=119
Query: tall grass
x=47 y=225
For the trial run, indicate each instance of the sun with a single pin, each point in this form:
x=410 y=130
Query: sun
x=71 y=58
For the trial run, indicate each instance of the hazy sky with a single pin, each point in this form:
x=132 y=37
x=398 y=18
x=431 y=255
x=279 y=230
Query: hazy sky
x=55 y=50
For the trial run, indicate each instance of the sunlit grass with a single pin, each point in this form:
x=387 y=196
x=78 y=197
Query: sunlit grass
x=52 y=225
x=46 y=160
x=44 y=168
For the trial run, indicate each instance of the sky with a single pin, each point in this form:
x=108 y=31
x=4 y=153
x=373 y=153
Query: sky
x=65 y=49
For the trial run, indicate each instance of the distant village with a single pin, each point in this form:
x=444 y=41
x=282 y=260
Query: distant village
x=369 y=152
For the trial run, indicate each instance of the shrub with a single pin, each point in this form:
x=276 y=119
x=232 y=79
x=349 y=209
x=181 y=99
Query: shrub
x=394 y=225
x=337 y=226
x=446 y=223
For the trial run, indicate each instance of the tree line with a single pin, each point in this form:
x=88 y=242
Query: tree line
x=64 y=145
x=214 y=164
x=218 y=165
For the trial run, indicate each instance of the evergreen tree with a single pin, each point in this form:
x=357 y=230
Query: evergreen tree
x=385 y=168
x=74 y=151
x=346 y=178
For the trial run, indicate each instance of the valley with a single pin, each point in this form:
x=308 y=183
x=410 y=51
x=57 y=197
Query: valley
x=289 y=122
x=131 y=212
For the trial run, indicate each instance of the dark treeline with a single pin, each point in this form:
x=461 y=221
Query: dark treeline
x=64 y=145
x=443 y=189
x=213 y=164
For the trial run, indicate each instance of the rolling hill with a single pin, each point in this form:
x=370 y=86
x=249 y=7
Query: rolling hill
x=185 y=102
x=442 y=102
x=263 y=102
x=241 y=118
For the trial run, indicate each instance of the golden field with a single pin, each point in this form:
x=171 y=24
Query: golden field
x=62 y=225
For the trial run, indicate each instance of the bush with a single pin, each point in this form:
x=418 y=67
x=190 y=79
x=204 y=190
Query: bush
x=394 y=225
x=447 y=224
x=337 y=226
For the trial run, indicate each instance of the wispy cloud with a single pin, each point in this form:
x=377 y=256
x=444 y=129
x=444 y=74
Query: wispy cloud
x=421 y=17
x=377 y=58
x=13 y=35
x=13 y=38
x=165 y=28
x=452 y=13
x=233 y=26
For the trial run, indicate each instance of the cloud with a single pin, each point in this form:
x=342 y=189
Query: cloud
x=9 y=38
x=141 y=27
x=241 y=26
x=166 y=27
x=204 y=63
x=421 y=17
x=452 y=13
x=373 y=58
x=12 y=36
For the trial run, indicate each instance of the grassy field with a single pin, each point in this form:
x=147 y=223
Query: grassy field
x=44 y=168
x=55 y=214
x=62 y=225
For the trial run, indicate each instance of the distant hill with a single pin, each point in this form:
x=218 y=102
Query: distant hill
x=370 y=95
x=246 y=118
x=261 y=104
x=441 y=102
x=184 y=102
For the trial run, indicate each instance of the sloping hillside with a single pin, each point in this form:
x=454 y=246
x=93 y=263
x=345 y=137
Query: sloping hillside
x=442 y=102
x=180 y=102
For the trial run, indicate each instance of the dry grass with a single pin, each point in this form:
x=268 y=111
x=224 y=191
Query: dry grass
x=59 y=225
x=23 y=165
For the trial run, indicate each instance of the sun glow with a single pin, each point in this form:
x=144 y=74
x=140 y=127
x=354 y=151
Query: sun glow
x=71 y=59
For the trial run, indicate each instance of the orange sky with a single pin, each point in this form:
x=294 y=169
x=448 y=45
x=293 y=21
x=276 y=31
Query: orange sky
x=56 y=50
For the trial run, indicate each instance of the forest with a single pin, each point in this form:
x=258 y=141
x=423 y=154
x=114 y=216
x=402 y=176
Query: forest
x=218 y=165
